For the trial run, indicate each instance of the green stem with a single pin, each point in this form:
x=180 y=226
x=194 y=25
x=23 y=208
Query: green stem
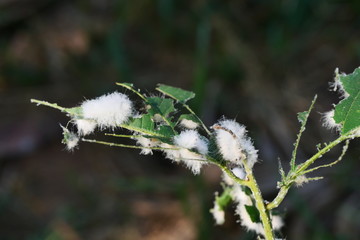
x=229 y=172
x=52 y=105
x=302 y=129
x=201 y=122
x=130 y=87
x=301 y=169
x=76 y=111
x=320 y=153
x=333 y=163
x=259 y=202
x=279 y=198
x=139 y=130
x=124 y=145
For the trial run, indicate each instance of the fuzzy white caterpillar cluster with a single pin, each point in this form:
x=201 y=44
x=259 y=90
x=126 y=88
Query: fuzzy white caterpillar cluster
x=107 y=111
x=188 y=146
x=233 y=143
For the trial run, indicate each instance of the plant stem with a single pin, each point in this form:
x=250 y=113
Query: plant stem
x=230 y=173
x=75 y=111
x=259 y=202
x=320 y=153
x=302 y=129
x=111 y=144
x=301 y=169
x=53 y=105
x=201 y=122
x=279 y=198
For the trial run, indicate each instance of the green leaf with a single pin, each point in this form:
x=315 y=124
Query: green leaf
x=224 y=199
x=347 y=112
x=143 y=125
x=302 y=116
x=146 y=126
x=176 y=93
x=162 y=106
x=253 y=213
x=165 y=131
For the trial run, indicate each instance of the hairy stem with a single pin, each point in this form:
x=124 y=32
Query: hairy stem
x=301 y=170
x=302 y=129
x=111 y=144
x=71 y=111
x=279 y=198
x=320 y=153
x=52 y=105
x=259 y=202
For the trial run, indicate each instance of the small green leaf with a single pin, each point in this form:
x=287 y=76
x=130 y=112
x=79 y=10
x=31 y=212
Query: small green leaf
x=162 y=106
x=253 y=213
x=347 y=111
x=224 y=199
x=143 y=125
x=318 y=146
x=146 y=126
x=176 y=93
x=302 y=116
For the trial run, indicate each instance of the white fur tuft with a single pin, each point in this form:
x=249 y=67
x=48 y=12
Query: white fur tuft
x=147 y=143
x=189 y=124
x=85 y=126
x=245 y=220
x=329 y=121
x=218 y=214
x=276 y=222
x=337 y=85
x=187 y=141
x=108 y=110
x=233 y=143
x=238 y=195
x=70 y=139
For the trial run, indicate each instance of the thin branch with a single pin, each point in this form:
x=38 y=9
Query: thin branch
x=123 y=136
x=345 y=148
x=321 y=152
x=292 y=175
x=124 y=145
x=200 y=121
x=52 y=105
x=302 y=129
x=72 y=111
x=131 y=89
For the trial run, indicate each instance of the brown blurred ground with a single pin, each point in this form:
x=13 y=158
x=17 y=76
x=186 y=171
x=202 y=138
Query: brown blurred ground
x=260 y=62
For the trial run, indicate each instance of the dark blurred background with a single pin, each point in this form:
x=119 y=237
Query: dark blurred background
x=258 y=61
